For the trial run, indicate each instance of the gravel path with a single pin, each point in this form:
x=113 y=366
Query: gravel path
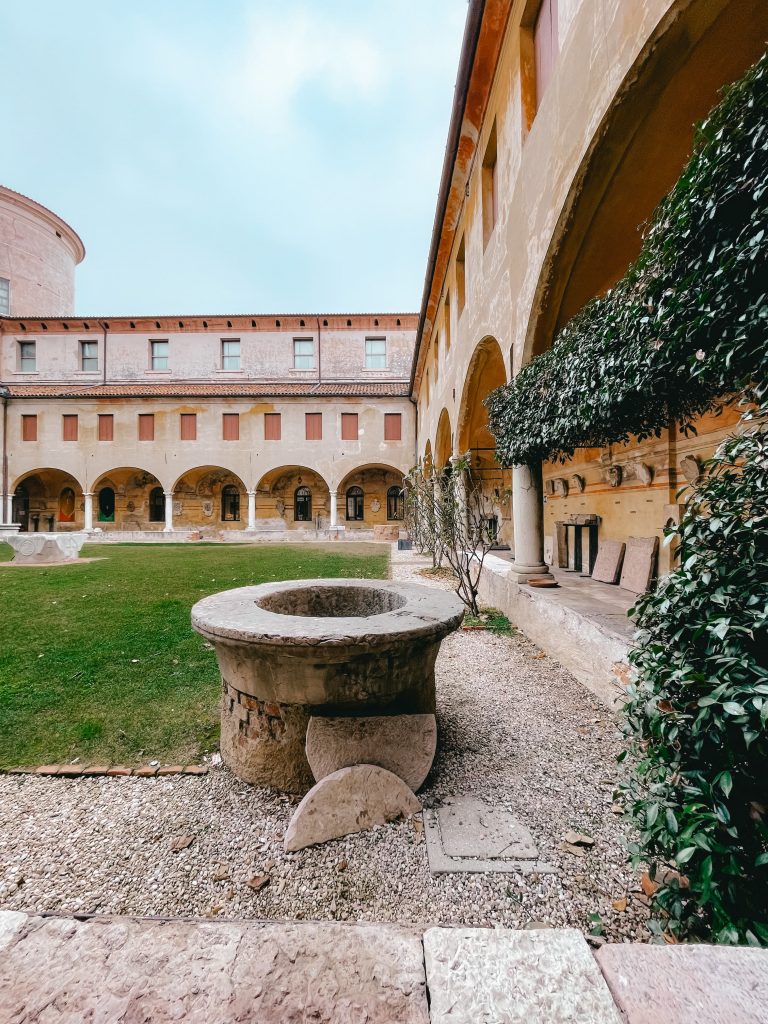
x=515 y=729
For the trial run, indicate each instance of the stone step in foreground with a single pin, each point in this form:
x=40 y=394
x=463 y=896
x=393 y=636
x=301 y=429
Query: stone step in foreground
x=57 y=970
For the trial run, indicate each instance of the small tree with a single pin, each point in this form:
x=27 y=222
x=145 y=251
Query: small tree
x=453 y=517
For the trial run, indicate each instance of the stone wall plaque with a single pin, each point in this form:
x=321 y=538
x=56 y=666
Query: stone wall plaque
x=610 y=556
x=639 y=563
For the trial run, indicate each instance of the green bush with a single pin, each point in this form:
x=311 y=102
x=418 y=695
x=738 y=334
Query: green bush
x=697 y=716
x=684 y=327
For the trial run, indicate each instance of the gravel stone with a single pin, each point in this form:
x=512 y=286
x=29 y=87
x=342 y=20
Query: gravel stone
x=514 y=728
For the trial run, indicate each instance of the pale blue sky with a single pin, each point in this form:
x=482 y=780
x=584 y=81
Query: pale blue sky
x=234 y=156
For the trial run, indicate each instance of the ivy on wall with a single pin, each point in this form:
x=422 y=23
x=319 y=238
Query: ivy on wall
x=685 y=326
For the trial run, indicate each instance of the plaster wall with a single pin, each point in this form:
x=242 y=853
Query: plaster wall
x=38 y=255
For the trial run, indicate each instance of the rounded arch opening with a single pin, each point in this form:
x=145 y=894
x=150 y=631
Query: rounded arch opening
x=443 y=440
x=292 y=497
x=47 y=500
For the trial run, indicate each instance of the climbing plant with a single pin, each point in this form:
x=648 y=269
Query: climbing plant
x=685 y=326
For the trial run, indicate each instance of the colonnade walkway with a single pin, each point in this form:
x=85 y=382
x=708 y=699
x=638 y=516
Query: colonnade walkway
x=63 y=970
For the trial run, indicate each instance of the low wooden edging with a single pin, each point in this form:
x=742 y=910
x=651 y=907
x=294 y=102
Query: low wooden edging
x=78 y=771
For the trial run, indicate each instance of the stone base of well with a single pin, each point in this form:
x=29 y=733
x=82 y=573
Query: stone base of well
x=45 y=548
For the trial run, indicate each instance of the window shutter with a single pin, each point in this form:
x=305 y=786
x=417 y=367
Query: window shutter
x=231 y=426
x=69 y=428
x=314 y=425
x=392 y=426
x=106 y=427
x=146 y=426
x=188 y=426
x=29 y=428
x=272 y=430
x=349 y=430
x=545 y=44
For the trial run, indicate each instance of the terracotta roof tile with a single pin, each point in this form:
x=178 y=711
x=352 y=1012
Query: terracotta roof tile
x=245 y=389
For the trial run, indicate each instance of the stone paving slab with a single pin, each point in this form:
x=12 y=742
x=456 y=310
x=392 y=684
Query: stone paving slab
x=687 y=984
x=480 y=976
x=64 y=971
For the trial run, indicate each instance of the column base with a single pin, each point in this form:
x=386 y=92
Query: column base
x=168 y=529
x=250 y=529
x=522 y=573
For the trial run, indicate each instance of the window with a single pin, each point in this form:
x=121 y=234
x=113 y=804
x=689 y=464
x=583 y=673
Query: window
x=106 y=427
x=5 y=296
x=67 y=506
x=69 y=428
x=375 y=353
x=355 y=504
x=156 y=505
x=303 y=354
x=272 y=426
x=146 y=426
x=349 y=431
x=302 y=505
x=230 y=355
x=490 y=181
x=395 y=504
x=436 y=350
x=158 y=355
x=447 y=324
x=393 y=426
x=545 y=46
x=188 y=426
x=89 y=356
x=29 y=428
x=461 y=277
x=27 y=356
x=314 y=426
x=230 y=504
x=231 y=426
x=106 y=505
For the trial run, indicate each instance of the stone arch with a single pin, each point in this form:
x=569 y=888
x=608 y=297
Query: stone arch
x=37 y=500
x=131 y=487
x=638 y=151
x=443 y=440
x=276 y=502
x=428 y=462
x=375 y=480
x=198 y=502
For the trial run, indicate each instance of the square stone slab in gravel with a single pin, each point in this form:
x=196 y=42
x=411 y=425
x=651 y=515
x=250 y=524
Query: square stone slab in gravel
x=65 y=971
x=467 y=834
x=687 y=984
x=484 y=976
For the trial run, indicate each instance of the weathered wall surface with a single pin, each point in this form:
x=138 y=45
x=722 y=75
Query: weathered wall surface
x=38 y=255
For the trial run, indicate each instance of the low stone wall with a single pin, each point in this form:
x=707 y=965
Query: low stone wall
x=232 y=536
x=595 y=655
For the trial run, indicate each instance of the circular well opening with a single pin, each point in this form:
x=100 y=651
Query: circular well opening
x=332 y=602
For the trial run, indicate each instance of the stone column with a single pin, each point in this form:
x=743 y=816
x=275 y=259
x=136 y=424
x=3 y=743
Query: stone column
x=88 y=511
x=528 y=518
x=332 y=508
x=9 y=508
x=251 y=511
x=168 y=528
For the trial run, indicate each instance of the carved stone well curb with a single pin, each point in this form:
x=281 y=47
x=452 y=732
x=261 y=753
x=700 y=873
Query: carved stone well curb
x=44 y=548
x=333 y=647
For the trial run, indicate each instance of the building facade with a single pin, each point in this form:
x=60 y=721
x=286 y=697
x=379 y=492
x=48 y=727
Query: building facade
x=571 y=120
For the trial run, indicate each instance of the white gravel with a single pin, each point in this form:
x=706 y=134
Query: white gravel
x=515 y=729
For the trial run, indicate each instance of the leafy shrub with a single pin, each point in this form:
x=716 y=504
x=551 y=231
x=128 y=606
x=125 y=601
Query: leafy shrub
x=698 y=715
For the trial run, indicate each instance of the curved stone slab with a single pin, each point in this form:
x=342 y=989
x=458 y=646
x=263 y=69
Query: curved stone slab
x=349 y=800
x=403 y=744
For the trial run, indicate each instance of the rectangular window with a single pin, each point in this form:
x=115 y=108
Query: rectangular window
x=545 y=45
x=272 y=426
x=158 y=355
x=314 y=426
x=5 y=296
x=375 y=353
x=27 y=356
x=461 y=277
x=89 y=356
x=189 y=426
x=393 y=426
x=69 y=428
x=29 y=428
x=231 y=426
x=106 y=427
x=349 y=431
x=303 y=354
x=447 y=324
x=146 y=426
x=490 y=174
x=230 y=355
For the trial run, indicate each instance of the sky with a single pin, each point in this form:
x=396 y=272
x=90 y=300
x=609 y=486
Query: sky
x=238 y=156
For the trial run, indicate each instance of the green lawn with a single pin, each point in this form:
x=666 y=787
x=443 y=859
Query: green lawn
x=98 y=660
